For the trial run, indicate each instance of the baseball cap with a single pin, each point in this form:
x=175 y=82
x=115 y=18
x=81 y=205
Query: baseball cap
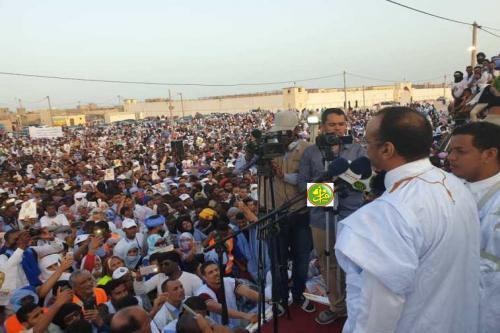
x=81 y=238
x=120 y=272
x=184 y=196
x=208 y=214
x=80 y=195
x=285 y=121
x=154 y=221
x=128 y=223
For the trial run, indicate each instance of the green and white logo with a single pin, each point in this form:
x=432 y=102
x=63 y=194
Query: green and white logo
x=320 y=194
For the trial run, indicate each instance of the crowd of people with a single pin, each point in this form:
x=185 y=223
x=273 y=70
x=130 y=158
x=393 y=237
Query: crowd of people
x=477 y=90
x=108 y=228
x=113 y=216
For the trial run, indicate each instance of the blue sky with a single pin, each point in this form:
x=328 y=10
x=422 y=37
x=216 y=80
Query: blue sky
x=223 y=41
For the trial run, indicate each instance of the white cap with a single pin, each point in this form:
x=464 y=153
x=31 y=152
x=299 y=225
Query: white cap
x=120 y=272
x=80 y=195
x=184 y=196
x=81 y=238
x=285 y=121
x=128 y=223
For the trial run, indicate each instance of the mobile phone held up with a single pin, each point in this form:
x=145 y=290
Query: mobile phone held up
x=147 y=270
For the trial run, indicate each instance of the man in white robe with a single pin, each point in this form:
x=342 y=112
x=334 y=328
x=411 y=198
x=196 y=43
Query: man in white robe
x=411 y=256
x=475 y=157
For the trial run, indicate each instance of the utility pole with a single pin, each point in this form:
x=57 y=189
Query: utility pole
x=170 y=107
x=474 y=44
x=444 y=86
x=182 y=105
x=345 y=92
x=364 y=102
x=19 y=116
x=50 y=111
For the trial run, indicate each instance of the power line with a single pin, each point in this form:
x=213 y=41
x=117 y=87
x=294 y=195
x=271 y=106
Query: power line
x=164 y=83
x=427 y=13
x=490 y=28
x=489 y=32
x=483 y=28
x=371 y=78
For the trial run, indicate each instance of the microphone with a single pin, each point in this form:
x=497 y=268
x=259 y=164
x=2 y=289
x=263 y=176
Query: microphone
x=360 y=170
x=362 y=166
x=337 y=167
x=356 y=174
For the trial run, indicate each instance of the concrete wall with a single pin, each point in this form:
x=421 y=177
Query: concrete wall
x=290 y=98
x=422 y=94
x=6 y=125
x=287 y=98
x=227 y=104
x=119 y=116
x=69 y=120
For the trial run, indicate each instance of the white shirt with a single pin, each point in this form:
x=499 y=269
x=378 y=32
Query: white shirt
x=166 y=314
x=57 y=221
x=123 y=244
x=53 y=222
x=458 y=88
x=489 y=290
x=411 y=256
x=190 y=282
x=480 y=188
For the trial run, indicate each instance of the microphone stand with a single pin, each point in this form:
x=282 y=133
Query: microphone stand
x=267 y=229
x=328 y=155
x=220 y=247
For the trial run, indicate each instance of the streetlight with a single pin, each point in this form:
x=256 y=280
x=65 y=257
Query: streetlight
x=182 y=104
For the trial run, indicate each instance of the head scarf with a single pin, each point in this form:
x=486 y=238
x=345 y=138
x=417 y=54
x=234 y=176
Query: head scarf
x=186 y=242
x=19 y=294
x=152 y=240
x=97 y=262
x=132 y=261
x=48 y=261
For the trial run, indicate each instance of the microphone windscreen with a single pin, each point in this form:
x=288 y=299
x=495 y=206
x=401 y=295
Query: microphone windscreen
x=362 y=166
x=337 y=167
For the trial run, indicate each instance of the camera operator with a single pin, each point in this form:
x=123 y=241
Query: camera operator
x=312 y=166
x=295 y=240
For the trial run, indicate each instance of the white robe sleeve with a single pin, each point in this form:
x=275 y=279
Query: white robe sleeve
x=144 y=287
x=380 y=308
